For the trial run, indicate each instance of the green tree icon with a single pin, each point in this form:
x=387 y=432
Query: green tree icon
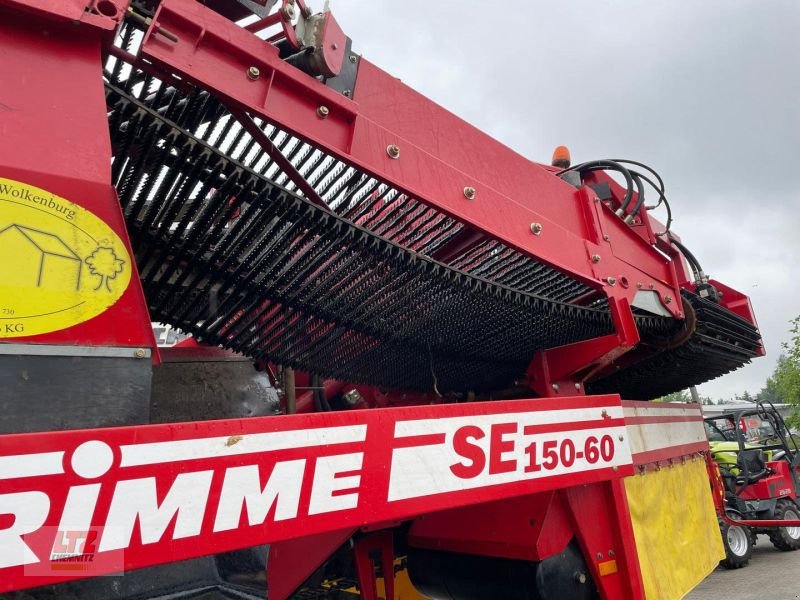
x=104 y=263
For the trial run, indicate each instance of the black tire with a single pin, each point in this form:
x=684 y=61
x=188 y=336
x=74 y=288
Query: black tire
x=786 y=539
x=738 y=543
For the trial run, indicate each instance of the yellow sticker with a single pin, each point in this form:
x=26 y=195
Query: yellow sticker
x=60 y=265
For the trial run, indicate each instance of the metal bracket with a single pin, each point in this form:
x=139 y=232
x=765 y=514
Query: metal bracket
x=381 y=542
x=561 y=371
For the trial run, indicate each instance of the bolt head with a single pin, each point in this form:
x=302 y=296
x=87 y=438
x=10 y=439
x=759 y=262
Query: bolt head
x=667 y=299
x=580 y=577
x=577 y=386
x=288 y=11
x=393 y=151
x=353 y=58
x=607 y=238
x=334 y=46
x=595 y=258
x=469 y=193
x=352 y=397
x=323 y=112
x=347 y=93
x=621 y=438
x=612 y=281
x=639 y=285
x=652 y=286
x=139 y=353
x=536 y=228
x=555 y=386
x=254 y=73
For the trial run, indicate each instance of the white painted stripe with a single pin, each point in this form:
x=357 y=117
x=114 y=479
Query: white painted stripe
x=657 y=436
x=662 y=411
x=448 y=425
x=420 y=471
x=250 y=443
x=31 y=465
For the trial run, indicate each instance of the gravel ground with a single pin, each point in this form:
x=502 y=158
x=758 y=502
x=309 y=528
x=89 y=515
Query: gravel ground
x=771 y=575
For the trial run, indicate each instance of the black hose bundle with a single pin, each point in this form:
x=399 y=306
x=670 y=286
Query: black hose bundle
x=632 y=178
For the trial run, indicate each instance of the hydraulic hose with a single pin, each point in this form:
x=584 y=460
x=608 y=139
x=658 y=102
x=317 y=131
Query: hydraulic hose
x=626 y=161
x=693 y=262
x=639 y=199
x=606 y=165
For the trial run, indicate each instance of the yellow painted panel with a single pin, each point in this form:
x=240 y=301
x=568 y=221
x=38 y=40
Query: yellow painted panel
x=676 y=530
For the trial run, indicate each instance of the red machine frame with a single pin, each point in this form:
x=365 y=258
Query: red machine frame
x=536 y=473
x=434 y=162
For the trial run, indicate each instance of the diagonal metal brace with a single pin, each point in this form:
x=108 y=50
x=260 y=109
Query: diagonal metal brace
x=276 y=155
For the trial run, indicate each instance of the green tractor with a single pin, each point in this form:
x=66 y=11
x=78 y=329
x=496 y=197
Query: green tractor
x=759 y=465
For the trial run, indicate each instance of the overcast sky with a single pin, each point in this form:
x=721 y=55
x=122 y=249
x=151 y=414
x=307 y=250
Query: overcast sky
x=708 y=93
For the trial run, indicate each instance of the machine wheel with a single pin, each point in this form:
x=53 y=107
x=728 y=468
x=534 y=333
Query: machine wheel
x=738 y=543
x=786 y=538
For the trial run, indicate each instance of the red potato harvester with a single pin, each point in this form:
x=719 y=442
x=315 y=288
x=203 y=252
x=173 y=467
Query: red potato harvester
x=419 y=364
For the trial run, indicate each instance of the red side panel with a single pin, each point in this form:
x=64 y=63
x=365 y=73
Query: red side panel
x=55 y=153
x=160 y=493
x=527 y=528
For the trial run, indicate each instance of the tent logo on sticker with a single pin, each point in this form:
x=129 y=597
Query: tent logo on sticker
x=60 y=265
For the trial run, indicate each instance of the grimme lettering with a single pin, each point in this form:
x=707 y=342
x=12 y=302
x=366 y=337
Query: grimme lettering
x=250 y=496
x=45 y=201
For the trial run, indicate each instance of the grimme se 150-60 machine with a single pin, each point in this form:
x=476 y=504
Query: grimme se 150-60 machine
x=419 y=362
